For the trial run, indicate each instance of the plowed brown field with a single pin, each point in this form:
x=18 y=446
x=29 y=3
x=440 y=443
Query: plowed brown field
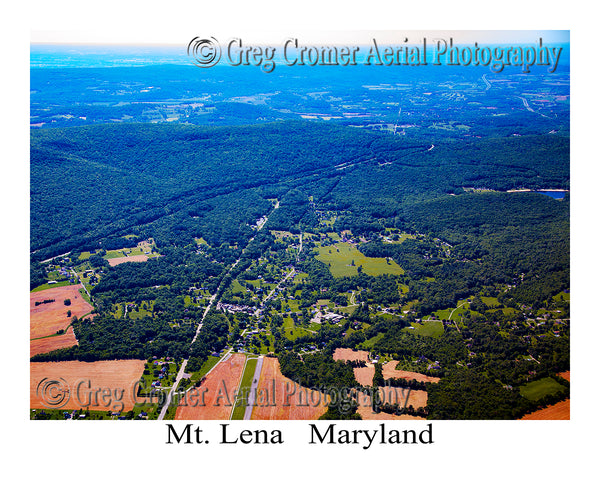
x=213 y=400
x=132 y=258
x=366 y=412
x=49 y=344
x=48 y=318
x=104 y=385
x=389 y=371
x=278 y=398
x=558 y=411
x=364 y=375
x=347 y=355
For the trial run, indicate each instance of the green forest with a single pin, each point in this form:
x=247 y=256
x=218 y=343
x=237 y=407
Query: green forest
x=490 y=266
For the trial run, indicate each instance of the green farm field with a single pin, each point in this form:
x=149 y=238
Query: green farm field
x=538 y=389
x=291 y=331
x=47 y=286
x=245 y=384
x=340 y=256
x=426 y=329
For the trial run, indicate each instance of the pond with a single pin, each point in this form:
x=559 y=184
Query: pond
x=557 y=195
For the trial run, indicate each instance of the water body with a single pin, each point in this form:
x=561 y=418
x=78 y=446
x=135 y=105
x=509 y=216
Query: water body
x=554 y=195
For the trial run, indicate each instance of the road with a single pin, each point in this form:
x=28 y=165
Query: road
x=253 y=387
x=452 y=313
x=275 y=289
x=81 y=282
x=58 y=256
x=526 y=104
x=181 y=371
x=488 y=84
x=352 y=302
x=206 y=310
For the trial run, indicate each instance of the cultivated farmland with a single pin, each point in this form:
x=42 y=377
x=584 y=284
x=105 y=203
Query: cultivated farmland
x=214 y=398
x=349 y=355
x=366 y=411
x=364 y=375
x=113 y=380
x=558 y=411
x=416 y=398
x=48 y=344
x=278 y=398
x=566 y=375
x=47 y=318
x=133 y=258
x=389 y=371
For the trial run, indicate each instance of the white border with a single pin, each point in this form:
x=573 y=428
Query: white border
x=482 y=449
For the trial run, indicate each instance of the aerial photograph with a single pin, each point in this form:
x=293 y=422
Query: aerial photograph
x=317 y=239
x=374 y=229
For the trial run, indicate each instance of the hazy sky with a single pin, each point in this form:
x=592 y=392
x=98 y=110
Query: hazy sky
x=271 y=21
x=307 y=36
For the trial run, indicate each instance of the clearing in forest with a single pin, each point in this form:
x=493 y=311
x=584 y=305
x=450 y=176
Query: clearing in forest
x=344 y=259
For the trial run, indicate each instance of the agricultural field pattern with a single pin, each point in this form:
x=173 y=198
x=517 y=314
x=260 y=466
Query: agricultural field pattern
x=327 y=243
